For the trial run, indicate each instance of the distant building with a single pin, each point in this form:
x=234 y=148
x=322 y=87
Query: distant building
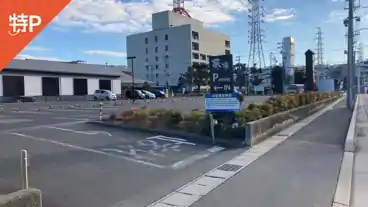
x=174 y=44
x=57 y=80
x=288 y=54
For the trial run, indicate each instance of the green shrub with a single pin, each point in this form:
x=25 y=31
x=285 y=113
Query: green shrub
x=198 y=122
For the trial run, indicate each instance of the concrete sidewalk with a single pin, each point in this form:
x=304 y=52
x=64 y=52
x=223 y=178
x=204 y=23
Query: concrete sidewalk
x=302 y=171
x=360 y=170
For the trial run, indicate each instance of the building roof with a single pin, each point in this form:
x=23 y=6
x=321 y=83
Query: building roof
x=73 y=67
x=127 y=79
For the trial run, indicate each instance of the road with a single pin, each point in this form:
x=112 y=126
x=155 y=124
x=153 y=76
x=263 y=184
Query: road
x=302 y=171
x=76 y=164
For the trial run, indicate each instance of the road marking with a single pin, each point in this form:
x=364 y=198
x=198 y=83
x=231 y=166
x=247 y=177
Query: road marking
x=30 y=112
x=63 y=110
x=14 y=121
x=71 y=118
x=81 y=132
x=87 y=150
x=190 y=160
x=172 y=139
x=45 y=125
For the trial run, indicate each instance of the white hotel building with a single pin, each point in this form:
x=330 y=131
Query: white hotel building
x=174 y=44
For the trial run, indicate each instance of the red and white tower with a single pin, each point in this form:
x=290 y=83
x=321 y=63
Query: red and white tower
x=178 y=7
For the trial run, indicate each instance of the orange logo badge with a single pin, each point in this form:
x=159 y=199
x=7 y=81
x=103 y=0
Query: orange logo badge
x=21 y=21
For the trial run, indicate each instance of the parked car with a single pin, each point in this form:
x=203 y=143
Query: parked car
x=141 y=95
x=149 y=95
x=104 y=95
x=160 y=94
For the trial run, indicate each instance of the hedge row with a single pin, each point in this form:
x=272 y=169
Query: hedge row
x=229 y=124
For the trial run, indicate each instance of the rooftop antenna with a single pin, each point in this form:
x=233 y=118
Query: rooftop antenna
x=256 y=14
x=178 y=7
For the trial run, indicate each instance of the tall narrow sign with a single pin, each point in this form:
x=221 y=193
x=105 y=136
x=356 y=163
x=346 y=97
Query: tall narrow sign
x=221 y=74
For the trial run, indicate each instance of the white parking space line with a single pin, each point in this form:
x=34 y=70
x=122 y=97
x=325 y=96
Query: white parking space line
x=31 y=112
x=190 y=160
x=62 y=110
x=87 y=149
x=14 y=121
x=71 y=118
x=81 y=132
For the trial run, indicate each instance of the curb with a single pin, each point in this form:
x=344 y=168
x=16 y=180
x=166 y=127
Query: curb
x=343 y=190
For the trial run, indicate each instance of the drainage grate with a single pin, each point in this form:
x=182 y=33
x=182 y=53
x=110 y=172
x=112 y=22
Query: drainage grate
x=228 y=167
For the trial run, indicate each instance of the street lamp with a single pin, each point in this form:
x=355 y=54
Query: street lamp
x=132 y=58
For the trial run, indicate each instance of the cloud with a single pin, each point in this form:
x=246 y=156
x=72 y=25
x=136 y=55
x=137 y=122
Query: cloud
x=37 y=49
x=279 y=15
x=105 y=53
x=26 y=56
x=336 y=16
x=135 y=16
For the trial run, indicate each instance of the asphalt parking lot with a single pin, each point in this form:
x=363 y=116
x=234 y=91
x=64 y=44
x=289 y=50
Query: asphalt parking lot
x=76 y=164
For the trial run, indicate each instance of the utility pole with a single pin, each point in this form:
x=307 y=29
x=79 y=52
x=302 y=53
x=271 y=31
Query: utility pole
x=351 y=74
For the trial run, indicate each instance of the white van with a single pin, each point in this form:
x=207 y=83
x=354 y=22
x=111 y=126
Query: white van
x=104 y=95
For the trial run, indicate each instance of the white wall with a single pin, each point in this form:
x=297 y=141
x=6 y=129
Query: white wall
x=66 y=86
x=92 y=85
x=1 y=85
x=32 y=86
x=116 y=86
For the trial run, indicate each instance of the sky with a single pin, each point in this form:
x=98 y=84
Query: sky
x=95 y=30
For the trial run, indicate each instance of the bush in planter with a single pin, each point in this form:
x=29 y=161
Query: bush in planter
x=165 y=117
x=194 y=122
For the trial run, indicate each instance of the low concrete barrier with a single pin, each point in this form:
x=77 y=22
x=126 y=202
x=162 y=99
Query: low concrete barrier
x=343 y=190
x=350 y=137
x=24 y=198
x=257 y=131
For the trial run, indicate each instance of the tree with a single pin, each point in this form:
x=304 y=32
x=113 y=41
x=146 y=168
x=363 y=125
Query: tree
x=255 y=78
x=197 y=75
x=241 y=72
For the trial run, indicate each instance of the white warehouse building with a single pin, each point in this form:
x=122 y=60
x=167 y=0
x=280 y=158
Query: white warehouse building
x=174 y=44
x=56 y=80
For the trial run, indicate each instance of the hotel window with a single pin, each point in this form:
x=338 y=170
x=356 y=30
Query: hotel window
x=195 y=35
x=195 y=56
x=146 y=50
x=227 y=43
x=156 y=49
x=166 y=48
x=195 y=46
x=146 y=40
x=156 y=38
x=166 y=37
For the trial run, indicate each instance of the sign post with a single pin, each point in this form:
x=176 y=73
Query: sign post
x=221 y=74
x=222 y=97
